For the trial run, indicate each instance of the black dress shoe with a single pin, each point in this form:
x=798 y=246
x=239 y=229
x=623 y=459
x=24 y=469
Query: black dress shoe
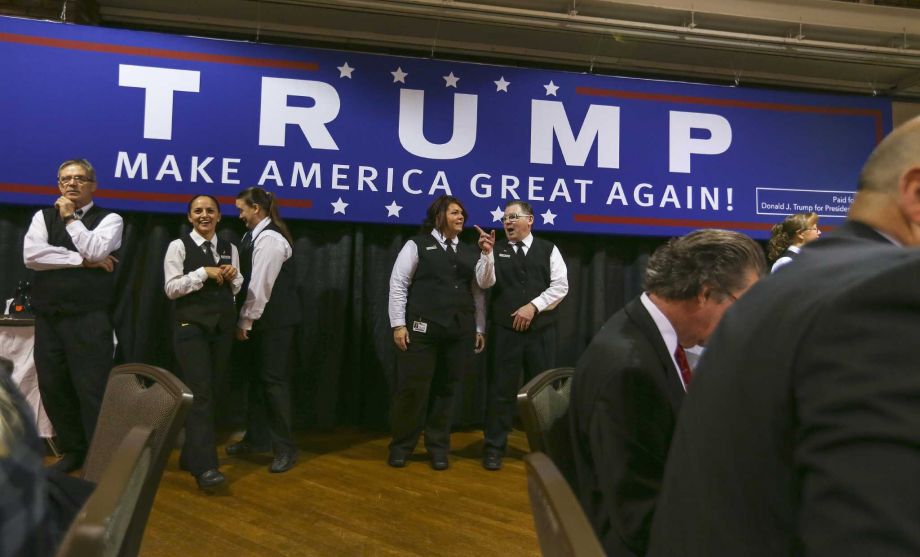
x=283 y=462
x=492 y=460
x=439 y=462
x=243 y=447
x=69 y=462
x=210 y=479
x=396 y=461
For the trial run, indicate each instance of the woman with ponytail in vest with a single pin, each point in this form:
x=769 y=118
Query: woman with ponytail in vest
x=789 y=236
x=437 y=314
x=202 y=276
x=268 y=316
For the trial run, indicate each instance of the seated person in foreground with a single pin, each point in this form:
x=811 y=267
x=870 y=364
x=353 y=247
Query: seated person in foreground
x=36 y=504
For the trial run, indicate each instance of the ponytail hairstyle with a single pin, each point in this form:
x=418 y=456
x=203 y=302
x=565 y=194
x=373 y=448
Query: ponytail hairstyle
x=436 y=216
x=784 y=233
x=266 y=200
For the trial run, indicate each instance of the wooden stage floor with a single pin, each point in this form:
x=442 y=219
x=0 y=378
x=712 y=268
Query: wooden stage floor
x=342 y=499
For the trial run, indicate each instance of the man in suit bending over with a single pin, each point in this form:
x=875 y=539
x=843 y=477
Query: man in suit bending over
x=802 y=434
x=630 y=382
x=530 y=279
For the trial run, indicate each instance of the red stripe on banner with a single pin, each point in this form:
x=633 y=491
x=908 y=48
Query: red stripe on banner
x=157 y=52
x=756 y=105
x=23 y=188
x=143 y=196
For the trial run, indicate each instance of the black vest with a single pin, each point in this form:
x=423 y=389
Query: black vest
x=76 y=289
x=789 y=253
x=520 y=279
x=212 y=304
x=440 y=291
x=283 y=307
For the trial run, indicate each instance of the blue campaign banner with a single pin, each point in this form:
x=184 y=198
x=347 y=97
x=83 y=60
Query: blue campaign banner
x=345 y=136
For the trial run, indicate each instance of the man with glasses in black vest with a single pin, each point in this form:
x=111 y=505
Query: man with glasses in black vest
x=530 y=280
x=70 y=246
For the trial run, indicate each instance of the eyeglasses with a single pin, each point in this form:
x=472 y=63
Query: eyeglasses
x=75 y=179
x=811 y=229
x=513 y=217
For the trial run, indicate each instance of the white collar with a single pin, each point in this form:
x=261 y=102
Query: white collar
x=260 y=227
x=526 y=241
x=199 y=239
x=668 y=334
x=442 y=239
x=665 y=329
x=889 y=237
x=84 y=209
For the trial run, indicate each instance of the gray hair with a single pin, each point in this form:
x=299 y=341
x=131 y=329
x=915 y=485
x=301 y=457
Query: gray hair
x=90 y=171
x=716 y=258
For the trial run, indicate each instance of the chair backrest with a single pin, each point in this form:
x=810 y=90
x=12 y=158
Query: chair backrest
x=100 y=527
x=144 y=395
x=543 y=404
x=563 y=530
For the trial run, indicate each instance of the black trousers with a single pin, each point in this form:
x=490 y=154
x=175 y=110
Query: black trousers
x=529 y=353
x=428 y=378
x=268 y=413
x=73 y=358
x=203 y=356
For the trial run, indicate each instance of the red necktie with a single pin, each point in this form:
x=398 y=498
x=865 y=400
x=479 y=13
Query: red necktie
x=682 y=363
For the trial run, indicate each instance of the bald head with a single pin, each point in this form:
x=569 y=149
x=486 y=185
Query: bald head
x=888 y=198
x=898 y=152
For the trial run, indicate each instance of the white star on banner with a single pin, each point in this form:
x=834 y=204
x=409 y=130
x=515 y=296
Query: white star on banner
x=451 y=80
x=339 y=206
x=393 y=209
x=551 y=88
x=399 y=75
x=549 y=217
x=497 y=214
x=345 y=70
x=501 y=84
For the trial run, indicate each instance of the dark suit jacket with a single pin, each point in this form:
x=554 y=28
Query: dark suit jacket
x=624 y=403
x=801 y=432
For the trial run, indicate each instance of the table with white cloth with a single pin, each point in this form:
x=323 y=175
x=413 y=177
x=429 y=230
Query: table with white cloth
x=17 y=344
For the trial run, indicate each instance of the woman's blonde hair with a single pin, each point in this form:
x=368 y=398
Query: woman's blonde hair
x=783 y=234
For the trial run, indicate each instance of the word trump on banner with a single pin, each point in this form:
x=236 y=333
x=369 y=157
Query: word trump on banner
x=370 y=138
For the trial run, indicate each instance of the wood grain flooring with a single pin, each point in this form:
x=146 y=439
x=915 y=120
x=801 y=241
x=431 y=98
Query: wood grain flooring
x=342 y=499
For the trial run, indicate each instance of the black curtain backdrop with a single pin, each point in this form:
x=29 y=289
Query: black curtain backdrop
x=344 y=360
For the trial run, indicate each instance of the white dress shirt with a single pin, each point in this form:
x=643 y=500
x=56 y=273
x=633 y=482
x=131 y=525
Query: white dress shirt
x=558 y=275
x=270 y=250
x=401 y=279
x=179 y=284
x=668 y=334
x=92 y=245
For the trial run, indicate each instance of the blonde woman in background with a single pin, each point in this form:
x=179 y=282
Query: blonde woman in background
x=789 y=236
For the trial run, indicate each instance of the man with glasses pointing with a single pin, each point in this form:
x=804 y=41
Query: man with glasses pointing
x=70 y=246
x=530 y=280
